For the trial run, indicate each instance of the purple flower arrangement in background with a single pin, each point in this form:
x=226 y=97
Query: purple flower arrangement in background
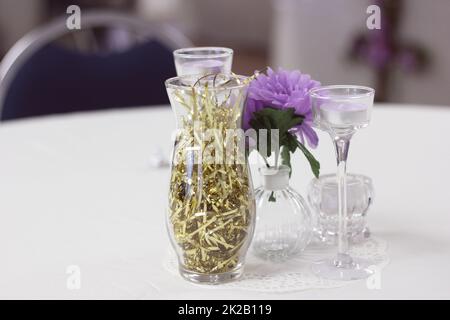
x=383 y=49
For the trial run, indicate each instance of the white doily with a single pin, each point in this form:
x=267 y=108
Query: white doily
x=294 y=274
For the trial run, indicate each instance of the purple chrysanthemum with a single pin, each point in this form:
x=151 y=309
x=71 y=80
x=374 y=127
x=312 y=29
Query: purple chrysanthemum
x=283 y=89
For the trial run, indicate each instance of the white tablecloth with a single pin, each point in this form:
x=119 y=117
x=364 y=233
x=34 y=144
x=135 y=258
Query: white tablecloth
x=79 y=190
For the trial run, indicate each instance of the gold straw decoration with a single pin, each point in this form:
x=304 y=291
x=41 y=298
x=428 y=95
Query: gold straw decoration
x=211 y=206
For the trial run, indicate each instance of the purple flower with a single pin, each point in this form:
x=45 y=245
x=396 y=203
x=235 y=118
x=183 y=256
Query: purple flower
x=283 y=89
x=378 y=51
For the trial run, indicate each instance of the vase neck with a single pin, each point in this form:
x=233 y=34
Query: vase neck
x=275 y=178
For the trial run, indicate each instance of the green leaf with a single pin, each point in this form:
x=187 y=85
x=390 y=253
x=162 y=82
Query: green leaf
x=286 y=158
x=315 y=165
x=284 y=120
x=290 y=142
x=269 y=118
x=272 y=197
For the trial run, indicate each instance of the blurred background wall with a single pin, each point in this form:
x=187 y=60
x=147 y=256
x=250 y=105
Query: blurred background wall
x=316 y=36
x=17 y=17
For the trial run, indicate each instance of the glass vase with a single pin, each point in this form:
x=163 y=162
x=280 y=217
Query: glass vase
x=211 y=203
x=283 y=221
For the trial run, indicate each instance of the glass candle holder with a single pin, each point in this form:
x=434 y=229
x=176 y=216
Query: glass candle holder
x=323 y=199
x=203 y=60
x=341 y=111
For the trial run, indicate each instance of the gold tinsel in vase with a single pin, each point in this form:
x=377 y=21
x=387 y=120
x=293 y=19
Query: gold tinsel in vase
x=211 y=205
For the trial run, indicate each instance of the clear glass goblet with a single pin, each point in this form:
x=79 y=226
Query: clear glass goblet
x=341 y=110
x=203 y=60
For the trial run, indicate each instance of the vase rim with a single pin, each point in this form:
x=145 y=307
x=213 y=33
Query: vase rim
x=329 y=180
x=181 y=82
x=350 y=175
x=275 y=178
x=321 y=92
x=274 y=170
x=194 y=52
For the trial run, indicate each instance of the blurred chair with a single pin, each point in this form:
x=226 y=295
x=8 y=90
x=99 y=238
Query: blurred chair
x=40 y=77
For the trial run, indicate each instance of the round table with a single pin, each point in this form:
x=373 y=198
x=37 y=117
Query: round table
x=82 y=210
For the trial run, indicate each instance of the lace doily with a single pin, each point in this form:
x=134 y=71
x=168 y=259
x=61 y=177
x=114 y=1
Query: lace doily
x=294 y=274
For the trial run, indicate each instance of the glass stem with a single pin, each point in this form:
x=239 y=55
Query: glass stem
x=342 y=145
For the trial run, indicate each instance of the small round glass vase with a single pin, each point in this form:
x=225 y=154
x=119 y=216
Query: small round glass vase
x=283 y=220
x=323 y=200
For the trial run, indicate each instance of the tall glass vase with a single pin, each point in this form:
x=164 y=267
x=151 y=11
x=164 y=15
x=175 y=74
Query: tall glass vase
x=211 y=204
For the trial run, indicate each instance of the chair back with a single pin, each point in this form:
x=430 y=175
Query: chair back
x=39 y=77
